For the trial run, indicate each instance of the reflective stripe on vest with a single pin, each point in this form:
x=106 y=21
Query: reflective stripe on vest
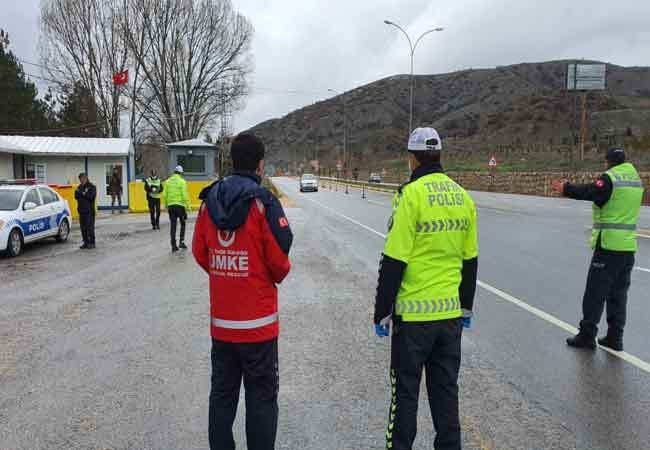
x=614 y=226
x=427 y=306
x=245 y=324
x=636 y=184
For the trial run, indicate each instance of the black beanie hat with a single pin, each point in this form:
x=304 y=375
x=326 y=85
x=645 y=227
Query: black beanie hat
x=616 y=155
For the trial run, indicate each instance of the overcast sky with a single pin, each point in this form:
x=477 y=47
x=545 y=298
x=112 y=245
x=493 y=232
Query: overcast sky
x=311 y=46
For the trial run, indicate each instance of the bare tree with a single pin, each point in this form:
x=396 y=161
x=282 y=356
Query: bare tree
x=81 y=42
x=191 y=58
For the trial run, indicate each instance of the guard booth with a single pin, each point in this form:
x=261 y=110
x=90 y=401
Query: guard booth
x=196 y=157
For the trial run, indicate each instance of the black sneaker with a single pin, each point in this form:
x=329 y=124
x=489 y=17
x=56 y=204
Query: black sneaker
x=182 y=245
x=83 y=247
x=174 y=249
x=581 y=341
x=611 y=343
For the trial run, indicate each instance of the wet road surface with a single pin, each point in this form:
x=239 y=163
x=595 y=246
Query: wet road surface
x=109 y=350
x=534 y=256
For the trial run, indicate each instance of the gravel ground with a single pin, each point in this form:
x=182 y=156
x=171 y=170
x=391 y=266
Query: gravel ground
x=109 y=350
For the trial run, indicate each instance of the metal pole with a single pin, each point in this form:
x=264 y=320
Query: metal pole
x=345 y=142
x=412 y=78
x=411 y=101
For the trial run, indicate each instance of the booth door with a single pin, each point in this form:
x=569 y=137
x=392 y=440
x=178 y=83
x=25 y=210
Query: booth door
x=105 y=200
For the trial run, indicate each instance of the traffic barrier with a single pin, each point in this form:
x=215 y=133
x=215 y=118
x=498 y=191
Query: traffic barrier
x=66 y=191
x=138 y=197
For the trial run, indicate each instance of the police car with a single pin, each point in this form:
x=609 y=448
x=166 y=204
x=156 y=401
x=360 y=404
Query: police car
x=31 y=212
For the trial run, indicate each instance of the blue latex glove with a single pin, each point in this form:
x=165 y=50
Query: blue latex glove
x=466 y=319
x=382 y=331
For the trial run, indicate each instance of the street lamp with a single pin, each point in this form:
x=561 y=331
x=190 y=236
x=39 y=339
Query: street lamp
x=413 y=48
x=345 y=132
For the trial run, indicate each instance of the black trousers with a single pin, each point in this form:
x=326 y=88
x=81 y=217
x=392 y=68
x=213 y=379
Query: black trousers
x=177 y=213
x=608 y=282
x=87 y=225
x=154 y=211
x=434 y=347
x=257 y=364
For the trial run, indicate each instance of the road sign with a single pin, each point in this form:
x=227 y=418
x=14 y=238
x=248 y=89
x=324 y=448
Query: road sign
x=493 y=161
x=339 y=166
x=586 y=77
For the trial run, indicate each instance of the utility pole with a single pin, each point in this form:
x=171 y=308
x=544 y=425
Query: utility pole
x=345 y=133
x=583 y=126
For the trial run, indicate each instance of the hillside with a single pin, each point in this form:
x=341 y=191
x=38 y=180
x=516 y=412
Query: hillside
x=523 y=105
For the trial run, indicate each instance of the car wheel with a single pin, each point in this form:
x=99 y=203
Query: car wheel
x=15 y=244
x=64 y=231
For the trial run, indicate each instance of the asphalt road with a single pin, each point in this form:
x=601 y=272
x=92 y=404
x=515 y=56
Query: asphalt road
x=109 y=350
x=534 y=256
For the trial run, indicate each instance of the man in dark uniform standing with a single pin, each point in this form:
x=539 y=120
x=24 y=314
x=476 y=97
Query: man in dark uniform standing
x=616 y=197
x=85 y=196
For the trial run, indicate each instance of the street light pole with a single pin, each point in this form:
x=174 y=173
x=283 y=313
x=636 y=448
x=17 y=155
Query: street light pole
x=345 y=133
x=413 y=47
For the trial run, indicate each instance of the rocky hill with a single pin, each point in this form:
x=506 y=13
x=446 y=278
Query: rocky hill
x=518 y=105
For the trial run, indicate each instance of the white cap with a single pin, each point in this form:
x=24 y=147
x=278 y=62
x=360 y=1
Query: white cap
x=179 y=169
x=424 y=139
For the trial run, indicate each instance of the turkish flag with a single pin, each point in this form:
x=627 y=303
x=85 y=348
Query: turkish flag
x=121 y=78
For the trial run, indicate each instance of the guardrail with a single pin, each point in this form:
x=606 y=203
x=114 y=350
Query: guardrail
x=364 y=185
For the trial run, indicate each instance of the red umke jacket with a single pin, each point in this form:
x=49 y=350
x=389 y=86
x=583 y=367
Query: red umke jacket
x=242 y=240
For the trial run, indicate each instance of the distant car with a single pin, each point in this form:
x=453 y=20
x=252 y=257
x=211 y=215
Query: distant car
x=308 y=182
x=30 y=213
x=374 y=178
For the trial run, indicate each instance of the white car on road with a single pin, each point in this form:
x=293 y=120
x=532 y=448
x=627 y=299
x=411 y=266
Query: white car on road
x=29 y=213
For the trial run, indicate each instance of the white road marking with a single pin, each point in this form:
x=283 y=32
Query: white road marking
x=631 y=359
x=643 y=269
x=350 y=219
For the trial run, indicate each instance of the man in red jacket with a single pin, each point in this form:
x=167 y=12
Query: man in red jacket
x=242 y=240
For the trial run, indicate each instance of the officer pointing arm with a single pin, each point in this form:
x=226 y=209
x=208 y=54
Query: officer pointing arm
x=616 y=197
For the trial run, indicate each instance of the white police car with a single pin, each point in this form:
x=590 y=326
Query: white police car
x=29 y=213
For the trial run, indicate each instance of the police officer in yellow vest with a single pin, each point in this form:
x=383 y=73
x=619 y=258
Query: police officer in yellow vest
x=616 y=197
x=427 y=282
x=153 y=187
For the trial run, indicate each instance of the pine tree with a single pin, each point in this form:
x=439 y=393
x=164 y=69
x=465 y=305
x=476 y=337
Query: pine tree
x=79 y=114
x=21 y=110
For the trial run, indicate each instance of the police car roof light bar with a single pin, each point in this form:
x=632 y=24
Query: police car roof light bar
x=20 y=181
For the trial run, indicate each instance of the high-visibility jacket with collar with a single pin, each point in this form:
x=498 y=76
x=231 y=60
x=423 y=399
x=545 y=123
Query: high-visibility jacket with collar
x=175 y=193
x=153 y=187
x=615 y=224
x=242 y=240
x=432 y=231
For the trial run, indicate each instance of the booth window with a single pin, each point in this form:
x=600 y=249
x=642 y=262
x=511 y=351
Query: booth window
x=192 y=164
x=36 y=171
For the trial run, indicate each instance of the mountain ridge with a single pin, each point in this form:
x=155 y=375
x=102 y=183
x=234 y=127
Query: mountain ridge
x=519 y=104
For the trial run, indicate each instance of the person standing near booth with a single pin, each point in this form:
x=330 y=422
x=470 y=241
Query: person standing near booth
x=177 y=202
x=115 y=190
x=153 y=187
x=85 y=195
